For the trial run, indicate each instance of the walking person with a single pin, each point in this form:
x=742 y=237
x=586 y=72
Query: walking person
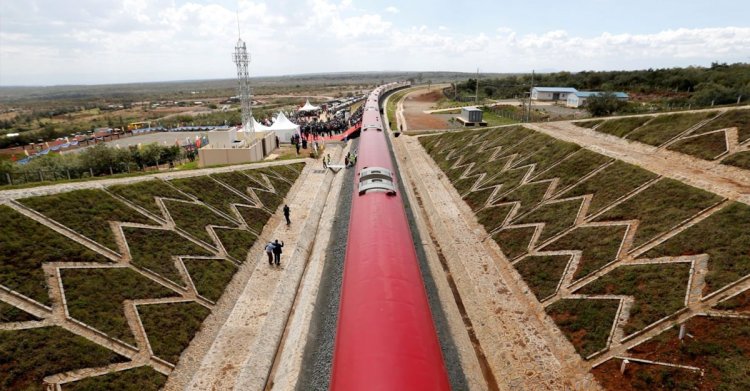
x=277 y=251
x=286 y=214
x=269 y=251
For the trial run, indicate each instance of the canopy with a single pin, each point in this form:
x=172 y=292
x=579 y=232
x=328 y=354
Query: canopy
x=259 y=127
x=284 y=128
x=309 y=107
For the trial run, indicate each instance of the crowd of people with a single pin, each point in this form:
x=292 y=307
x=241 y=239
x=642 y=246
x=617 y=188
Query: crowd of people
x=314 y=128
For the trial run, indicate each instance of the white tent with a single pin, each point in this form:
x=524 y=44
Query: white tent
x=284 y=128
x=259 y=127
x=309 y=107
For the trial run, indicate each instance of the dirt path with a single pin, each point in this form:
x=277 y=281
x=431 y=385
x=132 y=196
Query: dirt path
x=289 y=359
x=411 y=110
x=524 y=350
x=243 y=351
x=729 y=182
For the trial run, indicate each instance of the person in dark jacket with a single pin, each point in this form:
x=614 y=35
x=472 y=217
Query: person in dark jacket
x=286 y=214
x=277 y=251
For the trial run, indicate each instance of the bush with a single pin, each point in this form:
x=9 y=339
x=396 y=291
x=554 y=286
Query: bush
x=604 y=104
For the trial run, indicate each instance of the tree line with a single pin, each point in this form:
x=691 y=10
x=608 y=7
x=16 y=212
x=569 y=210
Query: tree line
x=98 y=160
x=718 y=84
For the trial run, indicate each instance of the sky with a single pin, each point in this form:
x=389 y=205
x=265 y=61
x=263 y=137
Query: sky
x=53 y=42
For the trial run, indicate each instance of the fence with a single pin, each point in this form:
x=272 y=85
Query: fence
x=21 y=177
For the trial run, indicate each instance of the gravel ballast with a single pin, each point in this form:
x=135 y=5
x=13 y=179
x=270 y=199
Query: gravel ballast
x=318 y=356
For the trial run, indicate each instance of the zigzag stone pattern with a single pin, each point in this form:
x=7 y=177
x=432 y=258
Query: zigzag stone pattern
x=615 y=253
x=104 y=287
x=715 y=135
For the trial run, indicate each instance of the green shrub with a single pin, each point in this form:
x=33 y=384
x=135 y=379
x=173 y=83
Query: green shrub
x=239 y=181
x=153 y=250
x=514 y=241
x=664 y=127
x=555 y=216
x=739 y=159
x=136 y=379
x=590 y=124
x=611 y=183
x=87 y=212
x=194 y=219
x=585 y=322
x=661 y=207
x=730 y=119
x=89 y=302
x=171 y=326
x=210 y=276
x=25 y=245
x=719 y=346
x=707 y=147
x=237 y=242
x=572 y=169
x=509 y=179
x=659 y=290
x=144 y=193
x=542 y=273
x=622 y=126
x=8 y=313
x=598 y=246
x=529 y=196
x=28 y=356
x=724 y=236
x=255 y=218
x=210 y=192
x=493 y=217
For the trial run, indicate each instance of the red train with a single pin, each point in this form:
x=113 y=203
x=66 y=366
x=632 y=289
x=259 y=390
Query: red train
x=386 y=338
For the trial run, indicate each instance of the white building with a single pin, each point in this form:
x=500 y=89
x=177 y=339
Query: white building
x=579 y=98
x=552 y=93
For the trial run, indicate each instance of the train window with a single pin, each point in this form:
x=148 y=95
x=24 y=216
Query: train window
x=377 y=179
x=377 y=185
x=375 y=172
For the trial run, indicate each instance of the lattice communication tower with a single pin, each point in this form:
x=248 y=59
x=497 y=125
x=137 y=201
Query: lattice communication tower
x=242 y=59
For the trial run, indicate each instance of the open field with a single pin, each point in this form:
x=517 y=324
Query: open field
x=126 y=288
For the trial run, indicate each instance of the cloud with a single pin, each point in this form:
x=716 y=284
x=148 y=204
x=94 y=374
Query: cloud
x=135 y=40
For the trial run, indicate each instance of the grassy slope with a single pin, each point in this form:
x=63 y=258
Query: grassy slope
x=143 y=193
x=87 y=303
x=661 y=207
x=25 y=245
x=136 y=379
x=171 y=327
x=586 y=323
x=724 y=236
x=27 y=356
x=210 y=276
x=154 y=249
x=659 y=290
x=87 y=212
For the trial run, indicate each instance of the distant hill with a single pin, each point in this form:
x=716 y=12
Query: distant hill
x=216 y=87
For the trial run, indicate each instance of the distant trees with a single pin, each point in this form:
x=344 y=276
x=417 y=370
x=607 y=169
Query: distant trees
x=698 y=86
x=100 y=159
x=604 y=104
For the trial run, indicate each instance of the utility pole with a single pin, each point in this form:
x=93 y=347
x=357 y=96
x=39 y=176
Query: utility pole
x=476 y=91
x=528 y=115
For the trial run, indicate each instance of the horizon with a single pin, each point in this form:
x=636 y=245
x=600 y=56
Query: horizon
x=538 y=72
x=47 y=43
